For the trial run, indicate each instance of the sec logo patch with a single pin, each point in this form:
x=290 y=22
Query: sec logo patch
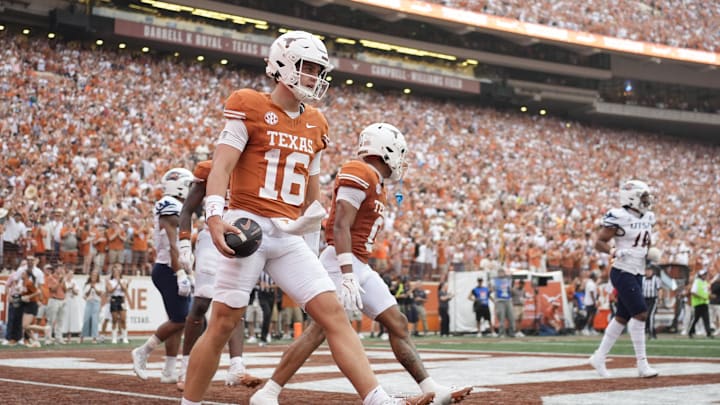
x=271 y=118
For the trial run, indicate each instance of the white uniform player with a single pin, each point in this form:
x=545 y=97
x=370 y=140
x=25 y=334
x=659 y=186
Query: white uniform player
x=631 y=229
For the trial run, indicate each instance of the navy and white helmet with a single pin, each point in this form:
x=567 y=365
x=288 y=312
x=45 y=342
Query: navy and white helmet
x=176 y=182
x=284 y=63
x=636 y=195
x=387 y=142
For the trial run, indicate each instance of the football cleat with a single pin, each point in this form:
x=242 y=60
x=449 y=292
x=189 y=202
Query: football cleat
x=422 y=399
x=168 y=378
x=645 y=371
x=451 y=395
x=139 y=363
x=598 y=364
x=243 y=378
x=260 y=397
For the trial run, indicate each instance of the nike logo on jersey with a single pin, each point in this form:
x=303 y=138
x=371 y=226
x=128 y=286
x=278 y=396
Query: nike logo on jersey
x=309 y=126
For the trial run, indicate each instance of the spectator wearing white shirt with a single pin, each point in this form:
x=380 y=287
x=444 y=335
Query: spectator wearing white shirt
x=15 y=230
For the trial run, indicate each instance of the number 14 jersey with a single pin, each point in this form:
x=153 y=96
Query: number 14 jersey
x=633 y=235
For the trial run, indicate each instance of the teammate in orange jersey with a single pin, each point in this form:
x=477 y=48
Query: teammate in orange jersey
x=356 y=216
x=205 y=270
x=272 y=145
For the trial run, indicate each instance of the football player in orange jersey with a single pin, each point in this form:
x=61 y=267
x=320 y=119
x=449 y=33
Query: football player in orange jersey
x=270 y=152
x=356 y=216
x=205 y=270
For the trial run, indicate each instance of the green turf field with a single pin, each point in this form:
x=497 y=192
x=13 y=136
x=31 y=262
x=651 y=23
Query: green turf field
x=666 y=345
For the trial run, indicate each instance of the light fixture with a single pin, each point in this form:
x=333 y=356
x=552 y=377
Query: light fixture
x=349 y=81
x=176 y=54
x=99 y=42
x=369 y=85
x=402 y=49
x=122 y=45
x=407 y=91
x=200 y=58
x=345 y=41
x=26 y=31
x=51 y=35
x=223 y=61
x=543 y=111
x=523 y=109
x=567 y=125
x=145 y=49
x=328 y=78
x=2 y=28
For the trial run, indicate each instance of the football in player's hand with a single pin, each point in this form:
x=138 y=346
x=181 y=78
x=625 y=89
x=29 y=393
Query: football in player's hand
x=249 y=239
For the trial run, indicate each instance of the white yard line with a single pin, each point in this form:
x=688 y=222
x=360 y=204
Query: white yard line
x=102 y=391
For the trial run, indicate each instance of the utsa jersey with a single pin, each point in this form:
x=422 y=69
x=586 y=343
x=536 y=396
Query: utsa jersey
x=634 y=235
x=272 y=172
x=165 y=206
x=370 y=216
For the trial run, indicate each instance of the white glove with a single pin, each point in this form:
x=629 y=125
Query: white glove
x=186 y=257
x=350 y=292
x=184 y=283
x=309 y=222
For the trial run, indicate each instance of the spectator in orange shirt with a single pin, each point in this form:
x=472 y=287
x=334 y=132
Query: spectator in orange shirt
x=116 y=242
x=534 y=257
x=37 y=235
x=139 y=248
x=551 y=322
x=99 y=241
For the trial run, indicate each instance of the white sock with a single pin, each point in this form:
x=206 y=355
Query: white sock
x=188 y=402
x=124 y=334
x=150 y=344
x=377 y=396
x=170 y=362
x=236 y=363
x=428 y=385
x=637 y=335
x=612 y=332
x=184 y=362
x=272 y=388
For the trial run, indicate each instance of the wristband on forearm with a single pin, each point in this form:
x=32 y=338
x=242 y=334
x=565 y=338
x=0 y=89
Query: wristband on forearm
x=214 y=205
x=345 y=259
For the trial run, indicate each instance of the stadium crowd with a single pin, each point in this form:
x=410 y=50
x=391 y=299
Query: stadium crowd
x=86 y=133
x=686 y=24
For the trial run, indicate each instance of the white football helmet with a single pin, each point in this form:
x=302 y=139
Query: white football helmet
x=176 y=182
x=636 y=195
x=287 y=55
x=387 y=142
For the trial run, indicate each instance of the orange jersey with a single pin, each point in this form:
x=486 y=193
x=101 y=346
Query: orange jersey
x=271 y=175
x=202 y=171
x=370 y=216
